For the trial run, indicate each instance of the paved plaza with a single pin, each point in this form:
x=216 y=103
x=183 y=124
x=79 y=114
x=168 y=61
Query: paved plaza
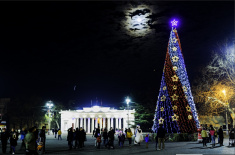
x=54 y=146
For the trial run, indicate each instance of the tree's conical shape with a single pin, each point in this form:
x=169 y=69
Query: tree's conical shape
x=175 y=106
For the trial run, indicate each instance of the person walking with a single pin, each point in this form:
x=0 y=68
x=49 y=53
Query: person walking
x=161 y=136
x=129 y=135
x=13 y=140
x=30 y=142
x=221 y=136
x=204 y=136
x=59 y=134
x=147 y=140
x=22 y=136
x=56 y=131
x=212 y=133
x=4 y=138
x=156 y=140
x=43 y=138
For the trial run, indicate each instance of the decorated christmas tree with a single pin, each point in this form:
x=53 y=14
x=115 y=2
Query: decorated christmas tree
x=175 y=106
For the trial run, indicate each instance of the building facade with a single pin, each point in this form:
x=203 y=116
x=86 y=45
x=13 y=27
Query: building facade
x=96 y=116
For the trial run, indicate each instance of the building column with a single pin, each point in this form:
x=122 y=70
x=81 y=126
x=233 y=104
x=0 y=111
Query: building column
x=108 y=125
x=88 y=125
x=120 y=123
x=104 y=125
x=81 y=122
x=111 y=125
x=92 y=125
x=124 y=124
x=85 y=124
x=116 y=123
x=96 y=122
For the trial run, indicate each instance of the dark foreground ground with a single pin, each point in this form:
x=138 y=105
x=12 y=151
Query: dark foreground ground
x=54 y=146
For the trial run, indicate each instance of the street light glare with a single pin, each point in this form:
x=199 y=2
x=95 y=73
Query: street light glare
x=128 y=100
x=224 y=91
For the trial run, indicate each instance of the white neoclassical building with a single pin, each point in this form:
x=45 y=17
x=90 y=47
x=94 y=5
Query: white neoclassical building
x=92 y=117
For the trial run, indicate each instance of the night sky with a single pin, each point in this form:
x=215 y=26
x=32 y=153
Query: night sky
x=87 y=50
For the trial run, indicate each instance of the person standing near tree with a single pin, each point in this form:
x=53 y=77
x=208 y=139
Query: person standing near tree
x=22 y=136
x=4 y=138
x=105 y=136
x=129 y=135
x=221 y=136
x=30 y=142
x=56 y=132
x=161 y=136
x=204 y=136
x=59 y=134
x=13 y=140
x=212 y=133
x=43 y=137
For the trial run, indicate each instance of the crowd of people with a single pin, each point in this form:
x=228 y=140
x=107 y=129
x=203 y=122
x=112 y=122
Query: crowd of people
x=33 y=140
x=30 y=138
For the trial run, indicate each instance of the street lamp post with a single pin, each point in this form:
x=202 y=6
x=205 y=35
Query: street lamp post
x=128 y=100
x=224 y=91
x=49 y=105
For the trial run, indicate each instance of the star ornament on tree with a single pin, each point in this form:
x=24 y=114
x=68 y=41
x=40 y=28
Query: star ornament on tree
x=175 y=117
x=163 y=98
x=174 y=107
x=184 y=88
x=174 y=49
x=174 y=97
x=175 y=68
x=162 y=108
x=174 y=40
x=160 y=120
x=175 y=59
x=190 y=117
x=174 y=78
x=188 y=108
x=174 y=87
x=164 y=88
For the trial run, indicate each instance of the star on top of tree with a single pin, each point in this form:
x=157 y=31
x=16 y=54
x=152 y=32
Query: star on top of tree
x=162 y=108
x=175 y=117
x=175 y=97
x=163 y=98
x=188 y=108
x=175 y=59
x=174 y=49
x=160 y=120
x=174 y=78
x=174 y=107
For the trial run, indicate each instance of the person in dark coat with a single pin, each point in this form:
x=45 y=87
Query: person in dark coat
x=82 y=137
x=105 y=136
x=161 y=136
x=77 y=138
x=43 y=138
x=13 y=140
x=56 y=132
x=111 y=138
x=221 y=136
x=70 y=138
x=4 y=138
